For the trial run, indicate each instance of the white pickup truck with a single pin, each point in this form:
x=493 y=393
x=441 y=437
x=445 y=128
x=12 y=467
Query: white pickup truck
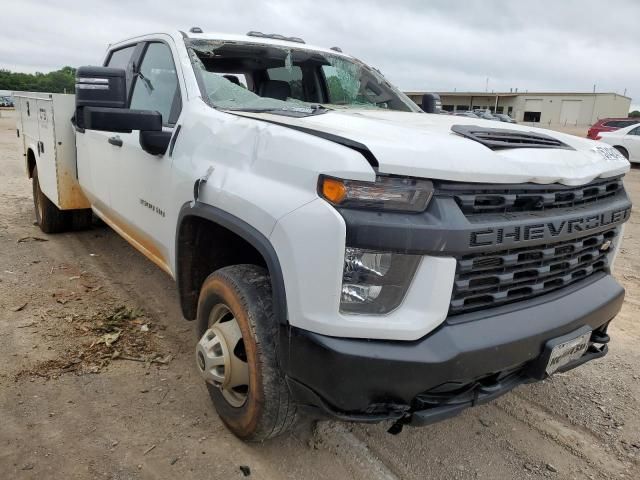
x=344 y=253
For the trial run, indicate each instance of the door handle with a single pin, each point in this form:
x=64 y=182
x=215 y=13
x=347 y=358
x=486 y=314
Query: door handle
x=117 y=141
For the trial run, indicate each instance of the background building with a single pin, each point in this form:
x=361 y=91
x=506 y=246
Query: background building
x=546 y=109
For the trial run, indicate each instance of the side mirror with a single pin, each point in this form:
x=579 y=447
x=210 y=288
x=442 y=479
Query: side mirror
x=101 y=87
x=101 y=100
x=431 y=103
x=155 y=143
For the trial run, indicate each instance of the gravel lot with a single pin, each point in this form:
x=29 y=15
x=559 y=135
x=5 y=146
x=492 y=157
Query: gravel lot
x=71 y=408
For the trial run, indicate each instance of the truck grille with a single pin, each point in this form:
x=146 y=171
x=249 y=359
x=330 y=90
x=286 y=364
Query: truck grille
x=486 y=280
x=478 y=199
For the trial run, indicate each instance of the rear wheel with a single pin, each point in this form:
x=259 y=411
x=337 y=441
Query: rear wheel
x=49 y=217
x=236 y=353
x=623 y=151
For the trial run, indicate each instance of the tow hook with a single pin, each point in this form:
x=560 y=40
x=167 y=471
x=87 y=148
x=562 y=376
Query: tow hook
x=600 y=337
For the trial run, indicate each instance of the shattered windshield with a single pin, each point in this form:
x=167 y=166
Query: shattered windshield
x=293 y=81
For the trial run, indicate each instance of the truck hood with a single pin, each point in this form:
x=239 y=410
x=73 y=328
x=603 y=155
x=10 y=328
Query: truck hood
x=423 y=145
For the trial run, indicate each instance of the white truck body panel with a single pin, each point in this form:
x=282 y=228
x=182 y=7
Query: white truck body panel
x=423 y=145
x=44 y=121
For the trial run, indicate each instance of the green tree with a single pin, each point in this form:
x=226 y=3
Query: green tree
x=634 y=114
x=58 y=81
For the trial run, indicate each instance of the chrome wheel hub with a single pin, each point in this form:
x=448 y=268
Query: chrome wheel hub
x=221 y=356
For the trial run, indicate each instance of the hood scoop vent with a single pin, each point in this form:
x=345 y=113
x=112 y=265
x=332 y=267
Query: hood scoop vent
x=499 y=138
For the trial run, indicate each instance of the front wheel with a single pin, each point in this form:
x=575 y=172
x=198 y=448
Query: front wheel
x=236 y=353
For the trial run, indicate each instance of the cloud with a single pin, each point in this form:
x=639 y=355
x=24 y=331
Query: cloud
x=423 y=45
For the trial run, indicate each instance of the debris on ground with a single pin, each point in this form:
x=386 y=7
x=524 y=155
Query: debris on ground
x=246 y=471
x=551 y=468
x=149 y=449
x=31 y=239
x=108 y=338
x=27 y=325
x=19 y=307
x=116 y=333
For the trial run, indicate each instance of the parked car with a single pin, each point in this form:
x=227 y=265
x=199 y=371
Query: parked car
x=485 y=114
x=625 y=140
x=466 y=114
x=341 y=252
x=609 y=125
x=6 y=102
x=503 y=117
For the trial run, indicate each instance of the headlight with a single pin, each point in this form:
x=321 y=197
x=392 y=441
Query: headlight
x=375 y=282
x=386 y=193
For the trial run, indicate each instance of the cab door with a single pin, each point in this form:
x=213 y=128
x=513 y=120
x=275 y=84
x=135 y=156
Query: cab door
x=632 y=144
x=141 y=195
x=97 y=169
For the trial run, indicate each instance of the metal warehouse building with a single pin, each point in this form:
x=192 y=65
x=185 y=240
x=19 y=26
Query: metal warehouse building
x=546 y=109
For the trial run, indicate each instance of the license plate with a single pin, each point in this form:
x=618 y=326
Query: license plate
x=567 y=352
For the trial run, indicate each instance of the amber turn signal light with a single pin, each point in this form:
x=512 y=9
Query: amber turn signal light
x=333 y=190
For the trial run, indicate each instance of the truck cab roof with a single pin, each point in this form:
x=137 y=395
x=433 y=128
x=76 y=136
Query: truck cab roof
x=179 y=35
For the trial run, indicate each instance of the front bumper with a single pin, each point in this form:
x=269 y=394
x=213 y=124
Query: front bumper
x=467 y=360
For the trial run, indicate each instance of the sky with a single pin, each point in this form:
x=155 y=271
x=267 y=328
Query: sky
x=430 y=45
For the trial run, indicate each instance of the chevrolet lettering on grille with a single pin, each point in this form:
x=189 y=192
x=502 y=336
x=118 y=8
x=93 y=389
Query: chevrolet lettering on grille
x=515 y=235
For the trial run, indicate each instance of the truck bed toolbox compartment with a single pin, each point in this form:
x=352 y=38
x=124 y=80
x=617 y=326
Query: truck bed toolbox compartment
x=46 y=132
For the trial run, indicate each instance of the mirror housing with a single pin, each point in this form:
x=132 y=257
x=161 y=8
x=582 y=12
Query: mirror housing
x=101 y=87
x=120 y=120
x=155 y=143
x=431 y=103
x=101 y=101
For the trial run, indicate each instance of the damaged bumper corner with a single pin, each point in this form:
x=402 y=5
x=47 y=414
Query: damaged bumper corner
x=459 y=365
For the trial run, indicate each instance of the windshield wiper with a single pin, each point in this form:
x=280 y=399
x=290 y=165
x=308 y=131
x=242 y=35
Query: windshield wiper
x=317 y=108
x=256 y=109
x=290 y=111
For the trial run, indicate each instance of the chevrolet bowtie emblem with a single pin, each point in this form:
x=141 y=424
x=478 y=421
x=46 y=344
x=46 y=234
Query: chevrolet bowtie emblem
x=605 y=246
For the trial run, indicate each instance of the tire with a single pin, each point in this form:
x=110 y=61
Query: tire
x=50 y=218
x=245 y=292
x=623 y=151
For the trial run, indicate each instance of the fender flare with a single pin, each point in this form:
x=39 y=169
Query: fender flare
x=249 y=234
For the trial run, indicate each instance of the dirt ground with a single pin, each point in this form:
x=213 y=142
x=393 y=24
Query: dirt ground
x=97 y=380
